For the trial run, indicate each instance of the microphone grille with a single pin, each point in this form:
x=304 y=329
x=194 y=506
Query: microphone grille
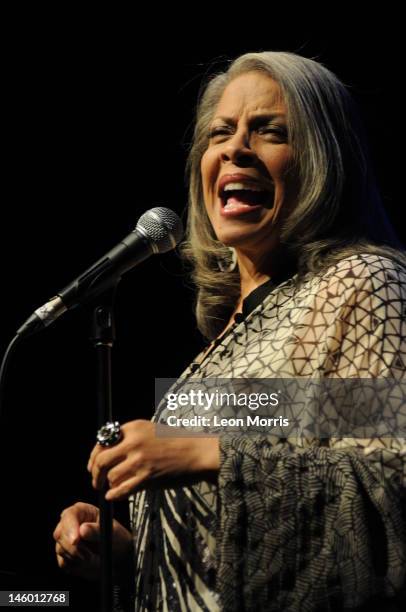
x=162 y=227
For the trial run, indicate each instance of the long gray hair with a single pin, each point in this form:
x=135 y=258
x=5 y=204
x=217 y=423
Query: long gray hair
x=338 y=212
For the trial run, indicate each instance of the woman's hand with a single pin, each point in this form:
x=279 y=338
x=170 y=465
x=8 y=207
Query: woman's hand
x=77 y=537
x=143 y=459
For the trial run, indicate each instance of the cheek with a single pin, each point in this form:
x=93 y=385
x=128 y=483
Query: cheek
x=209 y=173
x=280 y=169
x=278 y=162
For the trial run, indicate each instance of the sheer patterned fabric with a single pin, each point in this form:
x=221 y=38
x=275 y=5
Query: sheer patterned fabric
x=292 y=524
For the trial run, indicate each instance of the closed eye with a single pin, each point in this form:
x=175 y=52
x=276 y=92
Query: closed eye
x=219 y=131
x=266 y=130
x=224 y=131
x=278 y=131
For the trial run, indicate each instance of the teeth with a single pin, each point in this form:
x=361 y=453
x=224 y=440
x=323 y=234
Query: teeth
x=241 y=187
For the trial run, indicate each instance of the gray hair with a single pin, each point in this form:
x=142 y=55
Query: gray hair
x=338 y=212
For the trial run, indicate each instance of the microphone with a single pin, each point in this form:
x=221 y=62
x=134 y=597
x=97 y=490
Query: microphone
x=158 y=230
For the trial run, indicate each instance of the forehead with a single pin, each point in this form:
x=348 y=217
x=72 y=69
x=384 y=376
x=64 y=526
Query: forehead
x=250 y=92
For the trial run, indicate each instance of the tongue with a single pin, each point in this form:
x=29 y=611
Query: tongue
x=237 y=202
x=251 y=198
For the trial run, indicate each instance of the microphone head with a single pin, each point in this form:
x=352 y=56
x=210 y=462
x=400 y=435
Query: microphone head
x=162 y=227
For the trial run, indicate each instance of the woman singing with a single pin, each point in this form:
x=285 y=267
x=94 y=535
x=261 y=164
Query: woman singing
x=298 y=275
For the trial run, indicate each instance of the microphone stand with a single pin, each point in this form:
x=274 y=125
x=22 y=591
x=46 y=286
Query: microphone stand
x=102 y=338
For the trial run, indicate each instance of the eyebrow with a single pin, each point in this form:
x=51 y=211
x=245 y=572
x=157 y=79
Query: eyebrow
x=254 y=119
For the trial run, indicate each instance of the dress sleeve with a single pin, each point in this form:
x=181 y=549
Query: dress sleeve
x=306 y=528
x=367 y=335
x=368 y=340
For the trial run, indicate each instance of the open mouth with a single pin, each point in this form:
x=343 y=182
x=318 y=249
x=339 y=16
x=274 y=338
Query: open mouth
x=240 y=196
x=245 y=196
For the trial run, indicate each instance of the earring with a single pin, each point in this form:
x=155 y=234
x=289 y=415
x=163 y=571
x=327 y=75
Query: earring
x=228 y=263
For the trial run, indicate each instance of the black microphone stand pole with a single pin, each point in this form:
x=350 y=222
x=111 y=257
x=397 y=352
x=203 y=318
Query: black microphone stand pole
x=103 y=337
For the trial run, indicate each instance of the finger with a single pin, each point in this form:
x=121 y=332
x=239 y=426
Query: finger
x=123 y=490
x=90 y=532
x=61 y=561
x=83 y=511
x=62 y=552
x=132 y=429
x=67 y=564
x=124 y=470
x=57 y=532
x=70 y=540
x=103 y=462
x=68 y=526
x=95 y=451
x=68 y=552
x=68 y=530
x=66 y=547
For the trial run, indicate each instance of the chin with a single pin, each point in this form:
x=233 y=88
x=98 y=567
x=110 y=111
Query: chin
x=239 y=239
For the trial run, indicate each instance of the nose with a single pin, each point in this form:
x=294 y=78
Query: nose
x=237 y=150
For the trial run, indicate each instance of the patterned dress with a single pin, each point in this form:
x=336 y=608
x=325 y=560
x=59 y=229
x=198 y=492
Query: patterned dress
x=293 y=524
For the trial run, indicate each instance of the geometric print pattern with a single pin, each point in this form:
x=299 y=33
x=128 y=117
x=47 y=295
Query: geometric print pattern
x=292 y=524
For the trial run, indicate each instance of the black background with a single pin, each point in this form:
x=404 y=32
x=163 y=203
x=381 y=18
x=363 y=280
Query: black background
x=96 y=119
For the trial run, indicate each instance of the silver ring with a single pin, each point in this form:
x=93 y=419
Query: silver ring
x=109 y=434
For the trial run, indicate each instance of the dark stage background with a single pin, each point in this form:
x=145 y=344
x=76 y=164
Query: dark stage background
x=96 y=131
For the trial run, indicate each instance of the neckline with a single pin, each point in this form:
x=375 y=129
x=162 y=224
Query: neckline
x=253 y=299
x=250 y=303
